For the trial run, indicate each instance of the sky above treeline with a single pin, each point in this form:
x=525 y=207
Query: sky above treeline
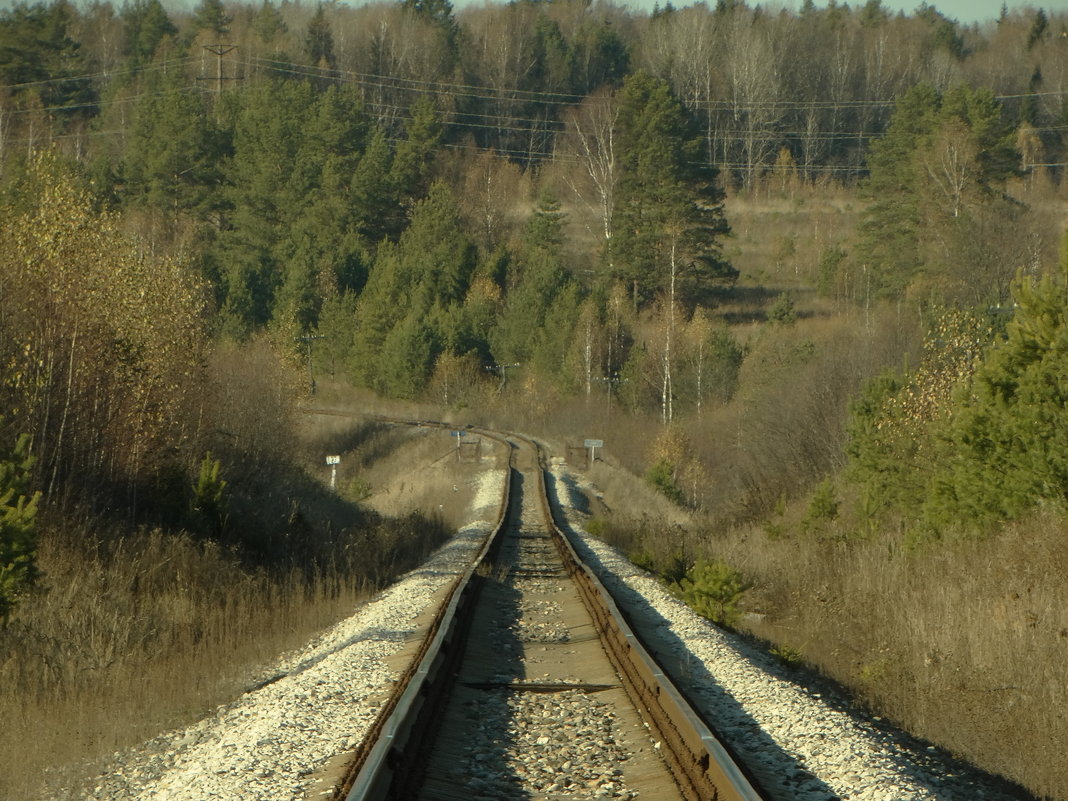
x=964 y=11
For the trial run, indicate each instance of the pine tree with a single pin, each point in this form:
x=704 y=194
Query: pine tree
x=407 y=357
x=889 y=249
x=415 y=153
x=268 y=23
x=267 y=188
x=298 y=220
x=553 y=339
x=18 y=533
x=669 y=215
x=1010 y=432
x=210 y=15
x=413 y=298
x=1039 y=26
x=145 y=26
x=537 y=278
x=40 y=60
x=173 y=154
x=669 y=218
x=319 y=40
x=323 y=249
x=954 y=144
x=378 y=211
x=380 y=308
x=443 y=258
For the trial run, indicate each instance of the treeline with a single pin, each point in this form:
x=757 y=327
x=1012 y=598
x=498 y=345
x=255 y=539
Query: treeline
x=432 y=204
x=414 y=199
x=808 y=90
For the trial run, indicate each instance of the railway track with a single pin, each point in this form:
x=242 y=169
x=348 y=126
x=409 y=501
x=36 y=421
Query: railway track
x=530 y=684
x=531 y=725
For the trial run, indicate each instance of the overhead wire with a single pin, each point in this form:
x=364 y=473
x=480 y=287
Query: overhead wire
x=484 y=92
x=511 y=124
x=150 y=67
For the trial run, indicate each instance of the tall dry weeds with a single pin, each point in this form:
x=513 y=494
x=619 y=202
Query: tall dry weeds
x=963 y=644
x=132 y=635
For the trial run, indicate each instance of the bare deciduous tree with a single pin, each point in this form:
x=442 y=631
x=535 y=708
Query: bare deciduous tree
x=590 y=142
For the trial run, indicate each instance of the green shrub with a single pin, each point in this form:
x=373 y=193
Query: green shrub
x=18 y=529
x=782 y=312
x=788 y=656
x=359 y=489
x=713 y=590
x=210 y=499
x=822 y=507
x=670 y=568
x=673 y=567
x=662 y=476
x=596 y=527
x=643 y=559
x=827 y=275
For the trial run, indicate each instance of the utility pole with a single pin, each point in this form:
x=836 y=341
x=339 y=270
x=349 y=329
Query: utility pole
x=219 y=50
x=308 y=339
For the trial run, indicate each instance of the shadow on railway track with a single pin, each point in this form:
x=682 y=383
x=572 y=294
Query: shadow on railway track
x=485 y=742
x=775 y=770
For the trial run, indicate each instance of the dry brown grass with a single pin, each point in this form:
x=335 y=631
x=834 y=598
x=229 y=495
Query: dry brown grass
x=135 y=633
x=964 y=644
x=779 y=236
x=131 y=639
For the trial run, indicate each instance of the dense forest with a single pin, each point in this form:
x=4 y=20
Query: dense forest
x=803 y=265
x=394 y=178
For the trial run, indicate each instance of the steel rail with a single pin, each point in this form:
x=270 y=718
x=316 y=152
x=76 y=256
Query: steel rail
x=700 y=764
x=408 y=713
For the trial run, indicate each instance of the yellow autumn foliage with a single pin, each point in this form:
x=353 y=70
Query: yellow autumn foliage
x=100 y=343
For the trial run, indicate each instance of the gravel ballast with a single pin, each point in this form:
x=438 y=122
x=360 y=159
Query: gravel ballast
x=801 y=744
x=316 y=705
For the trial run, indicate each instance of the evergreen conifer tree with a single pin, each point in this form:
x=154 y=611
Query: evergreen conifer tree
x=145 y=26
x=18 y=533
x=319 y=40
x=210 y=15
x=669 y=216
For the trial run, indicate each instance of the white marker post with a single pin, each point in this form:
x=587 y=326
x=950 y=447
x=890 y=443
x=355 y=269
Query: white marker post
x=333 y=461
x=593 y=445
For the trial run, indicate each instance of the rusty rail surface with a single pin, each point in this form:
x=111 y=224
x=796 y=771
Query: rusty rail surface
x=702 y=767
x=421 y=690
